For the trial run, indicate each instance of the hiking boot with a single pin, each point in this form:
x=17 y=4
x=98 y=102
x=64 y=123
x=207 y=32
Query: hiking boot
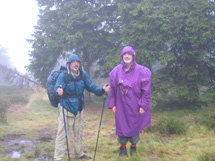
x=133 y=150
x=123 y=152
x=85 y=157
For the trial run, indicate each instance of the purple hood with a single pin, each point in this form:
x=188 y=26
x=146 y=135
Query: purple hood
x=128 y=49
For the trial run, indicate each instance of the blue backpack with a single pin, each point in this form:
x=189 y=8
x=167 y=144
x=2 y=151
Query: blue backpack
x=50 y=84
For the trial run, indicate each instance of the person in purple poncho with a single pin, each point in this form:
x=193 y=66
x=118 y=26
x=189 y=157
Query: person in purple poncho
x=129 y=98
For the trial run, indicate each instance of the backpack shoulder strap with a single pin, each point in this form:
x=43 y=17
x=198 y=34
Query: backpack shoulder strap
x=82 y=75
x=66 y=76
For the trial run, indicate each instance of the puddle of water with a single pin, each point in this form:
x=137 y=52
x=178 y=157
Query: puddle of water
x=16 y=146
x=16 y=154
x=22 y=142
x=25 y=142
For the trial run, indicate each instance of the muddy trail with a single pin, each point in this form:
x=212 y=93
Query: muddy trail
x=21 y=147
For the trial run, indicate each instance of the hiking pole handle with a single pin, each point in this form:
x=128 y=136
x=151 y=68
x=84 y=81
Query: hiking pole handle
x=105 y=95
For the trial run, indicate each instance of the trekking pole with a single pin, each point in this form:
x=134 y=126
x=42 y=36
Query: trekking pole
x=99 y=126
x=61 y=102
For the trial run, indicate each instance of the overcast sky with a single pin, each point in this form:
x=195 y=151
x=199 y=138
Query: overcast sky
x=18 y=18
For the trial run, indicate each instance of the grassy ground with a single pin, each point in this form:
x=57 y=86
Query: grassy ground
x=38 y=119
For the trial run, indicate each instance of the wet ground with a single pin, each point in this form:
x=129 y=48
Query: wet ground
x=17 y=145
x=20 y=146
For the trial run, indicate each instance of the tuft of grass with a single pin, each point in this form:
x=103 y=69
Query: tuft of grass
x=170 y=126
x=4 y=105
x=207 y=156
x=206 y=118
x=29 y=155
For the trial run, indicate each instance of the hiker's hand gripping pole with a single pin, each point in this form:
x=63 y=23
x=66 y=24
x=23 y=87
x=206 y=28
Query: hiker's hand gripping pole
x=105 y=95
x=61 y=102
x=60 y=91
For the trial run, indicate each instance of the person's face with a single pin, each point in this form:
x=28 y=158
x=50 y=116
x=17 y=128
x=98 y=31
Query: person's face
x=127 y=58
x=74 y=66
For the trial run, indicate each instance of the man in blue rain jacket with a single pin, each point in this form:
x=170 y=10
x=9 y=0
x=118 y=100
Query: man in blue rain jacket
x=70 y=86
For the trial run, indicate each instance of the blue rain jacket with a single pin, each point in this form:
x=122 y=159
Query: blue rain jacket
x=72 y=103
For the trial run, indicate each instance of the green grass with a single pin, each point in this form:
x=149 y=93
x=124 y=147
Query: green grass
x=206 y=118
x=38 y=118
x=207 y=156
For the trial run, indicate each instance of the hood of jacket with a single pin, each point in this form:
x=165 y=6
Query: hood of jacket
x=128 y=49
x=72 y=58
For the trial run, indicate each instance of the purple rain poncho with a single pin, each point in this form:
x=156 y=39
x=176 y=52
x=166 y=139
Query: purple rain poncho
x=136 y=82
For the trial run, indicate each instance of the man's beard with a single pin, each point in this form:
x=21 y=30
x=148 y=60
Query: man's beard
x=128 y=61
x=75 y=68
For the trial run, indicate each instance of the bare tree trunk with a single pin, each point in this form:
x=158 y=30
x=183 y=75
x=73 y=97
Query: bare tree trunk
x=86 y=66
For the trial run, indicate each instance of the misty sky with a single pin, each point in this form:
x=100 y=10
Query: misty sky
x=17 y=21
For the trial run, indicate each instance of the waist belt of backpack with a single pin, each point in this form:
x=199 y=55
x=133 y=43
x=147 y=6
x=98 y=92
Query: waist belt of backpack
x=75 y=96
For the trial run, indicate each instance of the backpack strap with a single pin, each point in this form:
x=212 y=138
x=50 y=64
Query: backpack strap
x=82 y=76
x=66 y=76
